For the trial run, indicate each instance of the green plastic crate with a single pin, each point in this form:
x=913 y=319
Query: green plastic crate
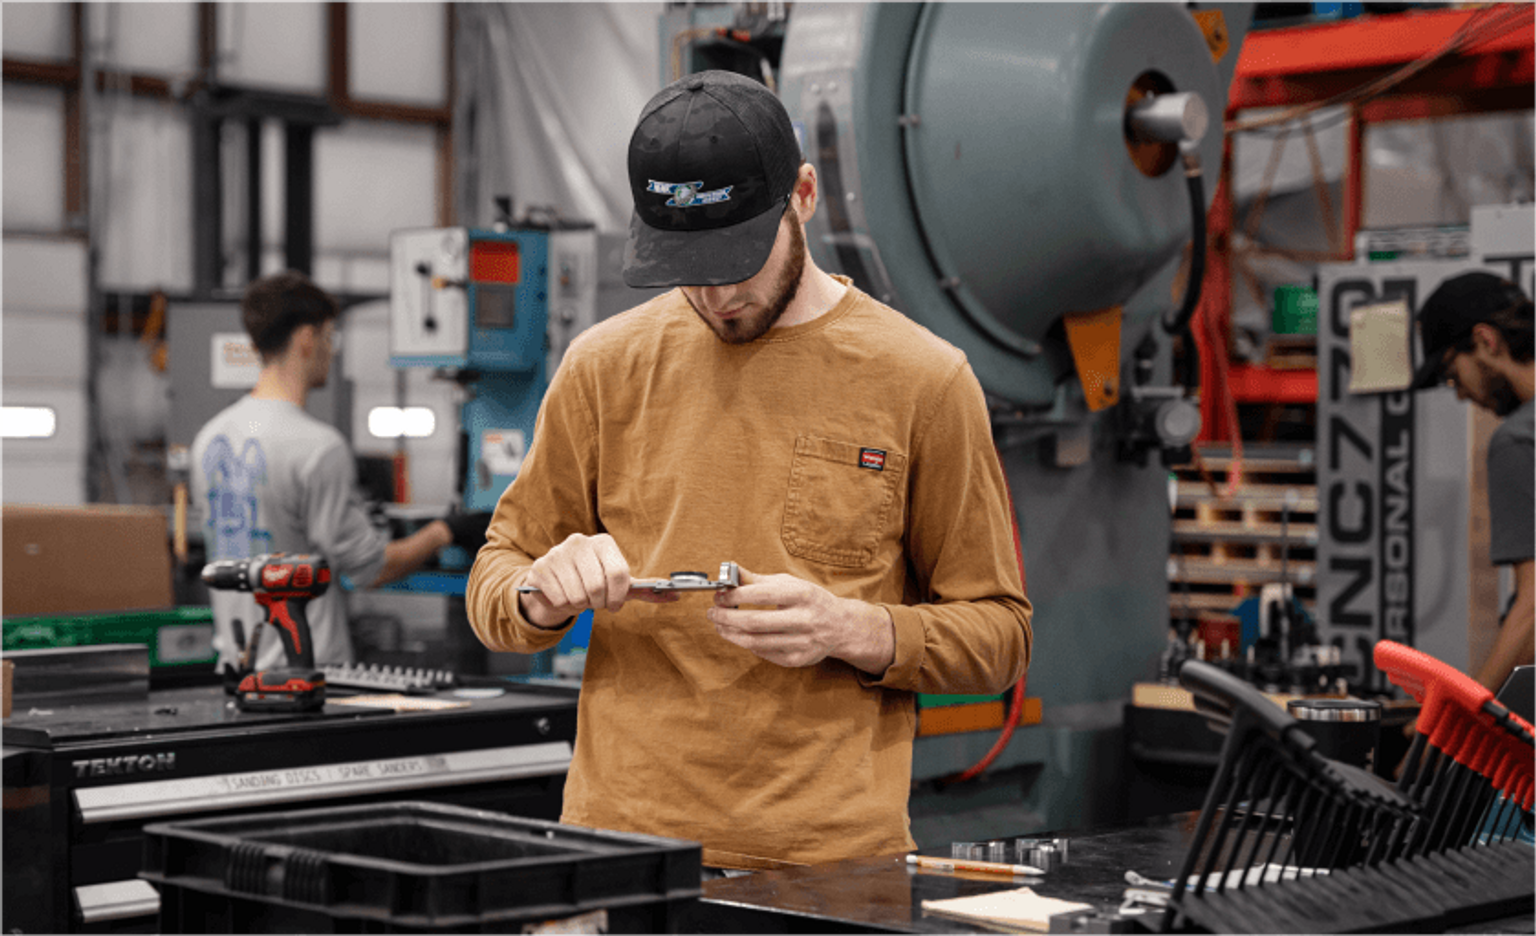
x=1295 y=311
x=175 y=637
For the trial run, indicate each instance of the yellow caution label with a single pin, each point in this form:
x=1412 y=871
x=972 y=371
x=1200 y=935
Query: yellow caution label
x=1214 y=25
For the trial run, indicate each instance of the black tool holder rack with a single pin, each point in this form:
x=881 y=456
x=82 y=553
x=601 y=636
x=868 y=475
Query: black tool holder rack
x=1334 y=839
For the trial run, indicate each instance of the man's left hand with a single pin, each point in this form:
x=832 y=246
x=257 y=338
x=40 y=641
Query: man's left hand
x=792 y=622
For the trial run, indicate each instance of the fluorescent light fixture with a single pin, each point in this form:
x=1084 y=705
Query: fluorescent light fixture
x=27 y=422
x=393 y=422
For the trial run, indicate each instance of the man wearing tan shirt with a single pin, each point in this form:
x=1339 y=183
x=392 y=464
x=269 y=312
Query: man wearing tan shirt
x=771 y=414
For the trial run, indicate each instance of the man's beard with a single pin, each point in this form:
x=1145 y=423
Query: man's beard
x=1496 y=393
x=747 y=328
x=1503 y=399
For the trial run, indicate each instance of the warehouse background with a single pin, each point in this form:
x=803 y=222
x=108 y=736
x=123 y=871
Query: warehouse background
x=137 y=183
x=117 y=190
x=159 y=156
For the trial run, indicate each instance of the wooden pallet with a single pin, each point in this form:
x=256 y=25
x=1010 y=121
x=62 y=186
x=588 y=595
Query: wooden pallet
x=1291 y=352
x=1230 y=542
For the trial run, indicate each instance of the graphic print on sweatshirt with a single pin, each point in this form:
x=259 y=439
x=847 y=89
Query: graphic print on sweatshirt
x=233 y=530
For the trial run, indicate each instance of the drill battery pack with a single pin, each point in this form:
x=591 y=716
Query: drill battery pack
x=286 y=690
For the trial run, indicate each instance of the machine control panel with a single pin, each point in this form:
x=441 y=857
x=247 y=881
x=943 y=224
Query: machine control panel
x=428 y=304
x=496 y=309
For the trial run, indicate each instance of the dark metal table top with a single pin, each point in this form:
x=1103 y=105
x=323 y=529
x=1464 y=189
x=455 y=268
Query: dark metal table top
x=884 y=893
x=203 y=709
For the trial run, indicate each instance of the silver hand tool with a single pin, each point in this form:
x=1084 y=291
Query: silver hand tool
x=730 y=577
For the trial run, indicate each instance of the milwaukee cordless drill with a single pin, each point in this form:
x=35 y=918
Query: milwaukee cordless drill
x=283 y=585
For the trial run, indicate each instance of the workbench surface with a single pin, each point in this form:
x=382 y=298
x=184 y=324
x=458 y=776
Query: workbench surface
x=885 y=894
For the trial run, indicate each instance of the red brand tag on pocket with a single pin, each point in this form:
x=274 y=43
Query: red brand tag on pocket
x=872 y=458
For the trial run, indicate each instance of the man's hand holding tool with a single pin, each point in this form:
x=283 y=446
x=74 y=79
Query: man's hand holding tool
x=792 y=622
x=582 y=572
x=780 y=618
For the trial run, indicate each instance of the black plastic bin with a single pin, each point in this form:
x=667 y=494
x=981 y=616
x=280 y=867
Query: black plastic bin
x=413 y=867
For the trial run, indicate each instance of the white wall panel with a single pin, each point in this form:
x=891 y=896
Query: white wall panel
x=274 y=187
x=147 y=38
x=330 y=272
x=232 y=176
x=69 y=407
x=272 y=261
x=369 y=274
x=146 y=200
x=33 y=150
x=42 y=331
x=59 y=483
x=45 y=276
x=367 y=343
x=273 y=45
x=41 y=348
x=433 y=472
x=353 y=273
x=397 y=52
x=434 y=468
x=133 y=399
x=557 y=87
x=37 y=31
x=372 y=178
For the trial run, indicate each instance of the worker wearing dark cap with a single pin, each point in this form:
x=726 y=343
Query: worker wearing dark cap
x=767 y=413
x=1477 y=337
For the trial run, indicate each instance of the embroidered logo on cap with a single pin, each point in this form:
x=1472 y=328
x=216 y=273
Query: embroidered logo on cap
x=872 y=458
x=687 y=194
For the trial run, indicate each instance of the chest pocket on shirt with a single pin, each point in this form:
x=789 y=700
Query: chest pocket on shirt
x=841 y=496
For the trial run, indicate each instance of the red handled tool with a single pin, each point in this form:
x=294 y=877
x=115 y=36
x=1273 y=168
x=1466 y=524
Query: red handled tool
x=1470 y=749
x=282 y=584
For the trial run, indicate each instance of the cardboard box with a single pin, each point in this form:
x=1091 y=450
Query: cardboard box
x=60 y=560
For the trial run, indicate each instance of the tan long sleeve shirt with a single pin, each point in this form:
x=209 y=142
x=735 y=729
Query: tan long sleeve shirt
x=853 y=451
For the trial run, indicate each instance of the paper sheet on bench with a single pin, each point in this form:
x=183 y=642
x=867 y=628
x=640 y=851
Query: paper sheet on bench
x=1021 y=908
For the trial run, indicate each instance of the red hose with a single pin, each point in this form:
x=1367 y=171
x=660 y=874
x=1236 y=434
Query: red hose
x=1016 y=707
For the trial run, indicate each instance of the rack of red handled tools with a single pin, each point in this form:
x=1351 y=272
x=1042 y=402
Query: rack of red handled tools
x=1291 y=841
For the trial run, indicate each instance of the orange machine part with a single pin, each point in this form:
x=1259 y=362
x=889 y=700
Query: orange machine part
x=1095 y=341
x=493 y=262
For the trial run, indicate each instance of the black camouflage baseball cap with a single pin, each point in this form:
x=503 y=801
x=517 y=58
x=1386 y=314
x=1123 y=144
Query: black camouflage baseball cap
x=712 y=164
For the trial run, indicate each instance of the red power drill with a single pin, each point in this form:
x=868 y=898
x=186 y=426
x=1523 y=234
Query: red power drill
x=283 y=585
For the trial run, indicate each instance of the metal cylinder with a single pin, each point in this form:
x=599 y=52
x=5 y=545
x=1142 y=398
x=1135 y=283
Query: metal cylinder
x=1063 y=847
x=970 y=851
x=1170 y=118
x=1177 y=422
x=1334 y=710
x=1045 y=854
x=1347 y=730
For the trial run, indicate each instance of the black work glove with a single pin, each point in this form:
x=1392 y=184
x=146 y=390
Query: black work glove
x=468 y=529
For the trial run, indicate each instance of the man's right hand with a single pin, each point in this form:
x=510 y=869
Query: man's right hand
x=582 y=572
